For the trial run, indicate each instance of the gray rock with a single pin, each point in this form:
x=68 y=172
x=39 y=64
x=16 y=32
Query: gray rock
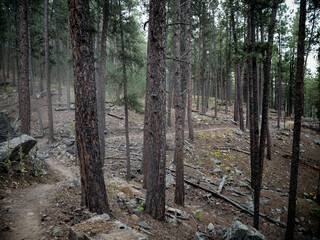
x=57 y=231
x=265 y=202
x=240 y=231
x=7 y=125
x=279 y=211
x=25 y=141
x=30 y=214
x=317 y=141
x=104 y=217
x=144 y=225
x=199 y=236
x=169 y=180
x=210 y=227
x=217 y=170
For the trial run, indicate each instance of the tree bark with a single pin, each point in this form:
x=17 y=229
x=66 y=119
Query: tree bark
x=101 y=87
x=92 y=181
x=125 y=96
x=24 y=69
x=155 y=199
x=254 y=129
x=67 y=67
x=46 y=71
x=297 y=124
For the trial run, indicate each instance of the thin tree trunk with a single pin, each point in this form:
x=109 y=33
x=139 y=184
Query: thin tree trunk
x=215 y=84
x=171 y=84
x=178 y=154
x=33 y=84
x=67 y=67
x=187 y=40
x=24 y=69
x=297 y=124
x=115 y=62
x=279 y=85
x=46 y=71
x=265 y=105
x=125 y=96
x=58 y=55
x=101 y=87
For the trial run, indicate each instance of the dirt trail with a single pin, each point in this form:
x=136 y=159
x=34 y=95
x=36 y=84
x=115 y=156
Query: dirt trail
x=25 y=205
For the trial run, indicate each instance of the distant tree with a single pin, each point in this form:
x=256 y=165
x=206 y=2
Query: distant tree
x=125 y=95
x=101 y=86
x=87 y=138
x=24 y=69
x=47 y=69
x=298 y=106
x=156 y=184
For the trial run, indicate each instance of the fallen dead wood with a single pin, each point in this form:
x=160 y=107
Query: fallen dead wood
x=239 y=150
x=224 y=178
x=195 y=110
x=303 y=162
x=115 y=116
x=235 y=203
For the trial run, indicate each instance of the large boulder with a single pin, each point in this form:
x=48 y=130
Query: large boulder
x=25 y=142
x=239 y=231
x=7 y=125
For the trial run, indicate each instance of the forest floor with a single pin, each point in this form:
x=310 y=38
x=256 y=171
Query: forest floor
x=47 y=205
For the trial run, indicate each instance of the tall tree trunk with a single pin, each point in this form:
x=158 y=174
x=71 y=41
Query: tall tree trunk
x=254 y=129
x=92 y=181
x=279 y=104
x=24 y=69
x=115 y=62
x=171 y=85
x=46 y=71
x=68 y=67
x=215 y=76
x=57 y=41
x=146 y=130
x=9 y=44
x=199 y=76
x=266 y=74
x=297 y=124
x=33 y=82
x=187 y=54
x=178 y=154
x=203 y=61
x=125 y=96
x=155 y=199
x=101 y=86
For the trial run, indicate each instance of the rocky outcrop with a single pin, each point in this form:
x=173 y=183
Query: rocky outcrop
x=7 y=125
x=103 y=228
x=25 y=142
x=239 y=231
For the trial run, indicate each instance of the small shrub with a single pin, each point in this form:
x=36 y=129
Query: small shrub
x=9 y=89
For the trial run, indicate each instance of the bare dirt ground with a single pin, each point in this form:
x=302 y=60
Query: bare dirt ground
x=45 y=207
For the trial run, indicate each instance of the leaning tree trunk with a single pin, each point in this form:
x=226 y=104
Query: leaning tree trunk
x=24 y=69
x=87 y=138
x=156 y=184
x=297 y=124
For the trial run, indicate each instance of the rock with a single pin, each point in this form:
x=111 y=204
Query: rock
x=127 y=190
x=103 y=217
x=240 y=231
x=29 y=214
x=317 y=141
x=169 y=180
x=135 y=218
x=43 y=155
x=57 y=231
x=25 y=141
x=215 y=161
x=217 y=170
x=7 y=125
x=144 y=225
x=265 y=202
x=136 y=185
x=279 y=211
x=210 y=227
x=199 y=236
x=278 y=189
x=73 y=183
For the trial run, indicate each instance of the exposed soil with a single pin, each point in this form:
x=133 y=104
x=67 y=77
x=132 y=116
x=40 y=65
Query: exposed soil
x=34 y=207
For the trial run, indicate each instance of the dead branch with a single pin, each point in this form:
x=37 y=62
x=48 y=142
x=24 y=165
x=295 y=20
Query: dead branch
x=115 y=116
x=224 y=178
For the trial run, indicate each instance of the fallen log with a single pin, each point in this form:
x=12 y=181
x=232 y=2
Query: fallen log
x=224 y=178
x=234 y=203
x=115 y=116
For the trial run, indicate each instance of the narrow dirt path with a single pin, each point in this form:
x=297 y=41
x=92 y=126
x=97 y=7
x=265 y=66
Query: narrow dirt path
x=24 y=206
